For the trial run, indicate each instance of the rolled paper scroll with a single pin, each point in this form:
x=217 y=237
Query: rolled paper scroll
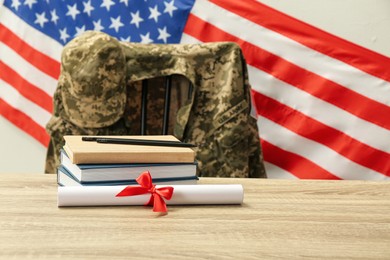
x=183 y=195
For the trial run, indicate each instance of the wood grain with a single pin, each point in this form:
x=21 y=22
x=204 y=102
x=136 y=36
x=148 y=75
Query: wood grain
x=279 y=219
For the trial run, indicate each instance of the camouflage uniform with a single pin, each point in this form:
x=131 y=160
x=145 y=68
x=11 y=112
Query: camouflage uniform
x=91 y=98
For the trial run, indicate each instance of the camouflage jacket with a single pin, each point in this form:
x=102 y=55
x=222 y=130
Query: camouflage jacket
x=96 y=96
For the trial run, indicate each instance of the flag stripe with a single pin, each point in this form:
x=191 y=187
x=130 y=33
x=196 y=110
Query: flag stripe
x=314 y=38
x=25 y=88
x=296 y=76
x=275 y=172
x=317 y=153
x=42 y=62
x=24 y=122
x=277 y=44
x=322 y=88
x=29 y=72
x=338 y=141
x=294 y=52
x=32 y=110
x=298 y=165
x=34 y=38
x=357 y=128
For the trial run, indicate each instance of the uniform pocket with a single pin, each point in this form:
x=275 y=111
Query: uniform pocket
x=225 y=150
x=232 y=148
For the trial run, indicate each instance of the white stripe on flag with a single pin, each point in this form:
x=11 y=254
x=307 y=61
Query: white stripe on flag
x=13 y=97
x=315 y=152
x=29 y=72
x=274 y=172
x=185 y=38
x=320 y=110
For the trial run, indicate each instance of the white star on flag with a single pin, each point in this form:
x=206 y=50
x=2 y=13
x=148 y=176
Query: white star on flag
x=169 y=8
x=116 y=23
x=80 y=31
x=145 y=38
x=163 y=34
x=41 y=19
x=154 y=13
x=126 y=2
x=30 y=3
x=107 y=4
x=73 y=11
x=136 y=19
x=54 y=17
x=15 y=4
x=88 y=8
x=97 y=26
x=64 y=35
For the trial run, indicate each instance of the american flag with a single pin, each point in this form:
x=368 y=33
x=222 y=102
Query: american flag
x=322 y=102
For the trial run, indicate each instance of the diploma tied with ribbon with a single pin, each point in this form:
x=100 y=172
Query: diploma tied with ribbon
x=147 y=193
x=157 y=195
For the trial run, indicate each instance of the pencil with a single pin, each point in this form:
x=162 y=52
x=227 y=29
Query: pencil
x=136 y=141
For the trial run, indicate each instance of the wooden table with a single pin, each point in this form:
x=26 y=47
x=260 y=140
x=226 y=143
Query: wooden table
x=279 y=219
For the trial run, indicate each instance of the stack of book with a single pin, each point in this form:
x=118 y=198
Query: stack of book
x=110 y=160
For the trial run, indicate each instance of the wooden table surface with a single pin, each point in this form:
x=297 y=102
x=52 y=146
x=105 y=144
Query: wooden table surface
x=280 y=219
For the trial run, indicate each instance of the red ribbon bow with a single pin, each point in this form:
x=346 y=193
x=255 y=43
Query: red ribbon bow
x=157 y=195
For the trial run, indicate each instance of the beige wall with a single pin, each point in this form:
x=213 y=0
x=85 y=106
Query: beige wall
x=365 y=22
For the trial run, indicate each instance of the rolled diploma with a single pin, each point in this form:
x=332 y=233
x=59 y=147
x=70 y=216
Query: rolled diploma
x=182 y=194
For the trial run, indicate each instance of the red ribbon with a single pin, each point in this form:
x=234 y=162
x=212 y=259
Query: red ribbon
x=157 y=195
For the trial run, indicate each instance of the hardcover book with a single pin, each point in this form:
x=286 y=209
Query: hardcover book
x=65 y=178
x=126 y=171
x=82 y=152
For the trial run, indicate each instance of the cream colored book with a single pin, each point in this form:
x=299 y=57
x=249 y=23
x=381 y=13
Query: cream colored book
x=81 y=152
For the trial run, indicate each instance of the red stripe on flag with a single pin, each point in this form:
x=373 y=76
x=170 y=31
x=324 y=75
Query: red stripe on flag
x=25 y=88
x=314 y=130
x=41 y=61
x=310 y=36
x=314 y=84
x=24 y=122
x=296 y=164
